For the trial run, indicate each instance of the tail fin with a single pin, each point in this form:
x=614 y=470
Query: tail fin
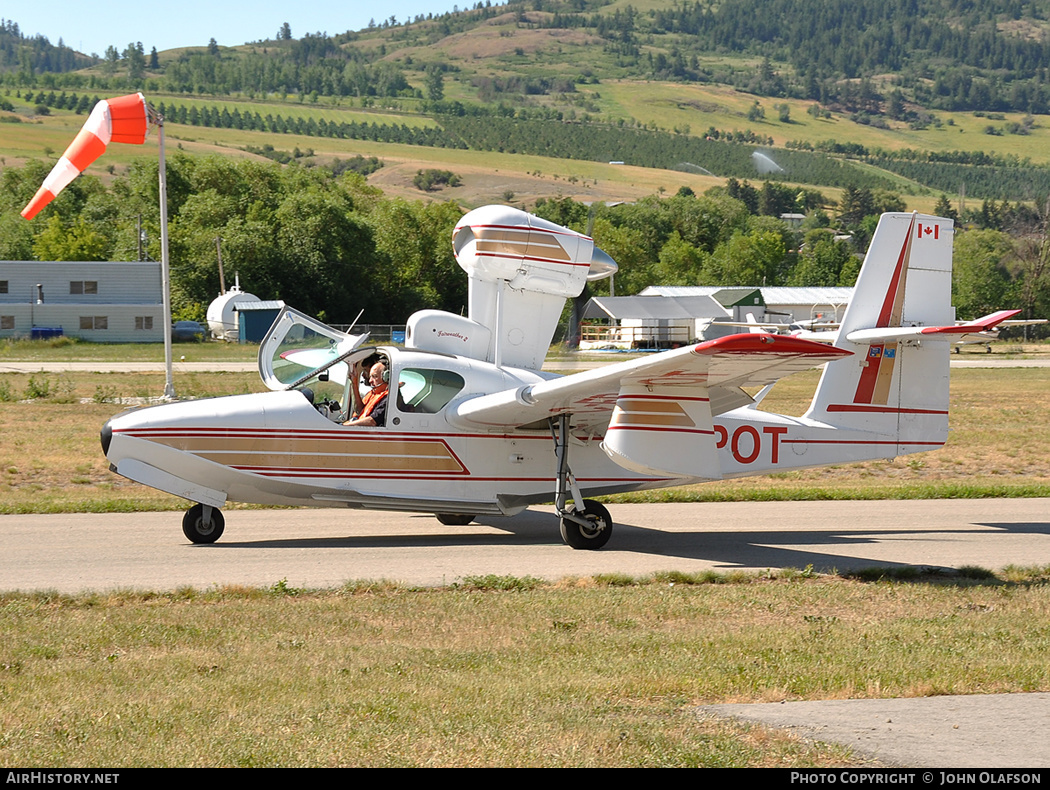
x=897 y=382
x=753 y=326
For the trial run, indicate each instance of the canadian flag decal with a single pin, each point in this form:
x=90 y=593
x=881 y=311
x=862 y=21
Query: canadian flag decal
x=926 y=230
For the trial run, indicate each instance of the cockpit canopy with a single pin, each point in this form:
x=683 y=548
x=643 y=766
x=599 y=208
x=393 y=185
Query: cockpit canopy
x=301 y=353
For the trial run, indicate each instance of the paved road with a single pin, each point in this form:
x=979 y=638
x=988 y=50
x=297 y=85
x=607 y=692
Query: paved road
x=318 y=548
x=993 y=731
x=24 y=366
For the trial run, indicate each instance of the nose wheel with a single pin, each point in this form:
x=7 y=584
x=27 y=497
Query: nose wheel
x=203 y=524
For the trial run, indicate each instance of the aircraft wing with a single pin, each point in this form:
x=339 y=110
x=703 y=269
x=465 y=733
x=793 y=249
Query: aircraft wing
x=1024 y=322
x=656 y=412
x=714 y=371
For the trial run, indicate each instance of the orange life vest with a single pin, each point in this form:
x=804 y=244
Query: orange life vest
x=369 y=402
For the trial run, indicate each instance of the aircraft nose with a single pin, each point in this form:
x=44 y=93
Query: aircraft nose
x=106 y=437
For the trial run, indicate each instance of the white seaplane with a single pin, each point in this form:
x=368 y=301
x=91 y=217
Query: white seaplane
x=475 y=427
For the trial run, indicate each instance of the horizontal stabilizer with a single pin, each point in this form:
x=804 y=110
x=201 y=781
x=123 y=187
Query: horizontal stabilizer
x=893 y=334
x=980 y=325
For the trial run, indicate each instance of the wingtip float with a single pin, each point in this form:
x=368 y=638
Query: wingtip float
x=124 y=119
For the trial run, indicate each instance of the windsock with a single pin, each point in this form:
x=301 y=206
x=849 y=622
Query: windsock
x=119 y=120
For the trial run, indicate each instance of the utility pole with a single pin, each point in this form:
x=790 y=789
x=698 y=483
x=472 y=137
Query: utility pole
x=222 y=277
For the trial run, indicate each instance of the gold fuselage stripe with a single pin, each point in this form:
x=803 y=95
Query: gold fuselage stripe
x=622 y=418
x=644 y=411
x=351 y=453
x=518 y=242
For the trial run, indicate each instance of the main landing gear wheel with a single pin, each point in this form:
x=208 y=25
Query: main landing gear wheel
x=199 y=528
x=454 y=519
x=593 y=536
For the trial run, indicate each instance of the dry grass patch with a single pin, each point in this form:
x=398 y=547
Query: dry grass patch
x=532 y=674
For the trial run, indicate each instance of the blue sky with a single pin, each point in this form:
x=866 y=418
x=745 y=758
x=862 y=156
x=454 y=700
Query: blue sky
x=92 y=26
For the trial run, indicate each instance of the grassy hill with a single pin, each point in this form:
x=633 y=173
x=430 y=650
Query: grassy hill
x=582 y=63
x=488 y=175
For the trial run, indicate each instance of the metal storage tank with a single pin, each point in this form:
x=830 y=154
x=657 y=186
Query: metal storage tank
x=222 y=313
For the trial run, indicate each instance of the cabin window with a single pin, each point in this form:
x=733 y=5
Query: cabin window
x=83 y=287
x=144 y=322
x=94 y=322
x=424 y=391
x=7 y=322
x=3 y=286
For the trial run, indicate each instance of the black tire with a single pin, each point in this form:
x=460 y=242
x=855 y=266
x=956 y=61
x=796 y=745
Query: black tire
x=197 y=530
x=454 y=519
x=580 y=537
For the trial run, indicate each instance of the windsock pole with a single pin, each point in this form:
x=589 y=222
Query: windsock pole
x=169 y=382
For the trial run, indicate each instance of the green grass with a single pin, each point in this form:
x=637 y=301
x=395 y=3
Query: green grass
x=495 y=672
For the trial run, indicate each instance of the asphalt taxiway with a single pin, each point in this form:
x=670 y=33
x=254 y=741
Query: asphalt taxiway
x=320 y=548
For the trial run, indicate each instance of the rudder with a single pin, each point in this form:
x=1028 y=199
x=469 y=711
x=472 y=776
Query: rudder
x=895 y=385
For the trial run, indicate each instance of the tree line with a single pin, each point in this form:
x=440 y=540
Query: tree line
x=503 y=129
x=944 y=54
x=507 y=131
x=35 y=54
x=947 y=54
x=331 y=245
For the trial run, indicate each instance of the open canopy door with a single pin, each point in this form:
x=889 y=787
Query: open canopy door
x=298 y=348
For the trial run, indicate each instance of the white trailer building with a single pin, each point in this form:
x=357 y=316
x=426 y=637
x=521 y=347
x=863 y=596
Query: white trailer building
x=779 y=304
x=100 y=301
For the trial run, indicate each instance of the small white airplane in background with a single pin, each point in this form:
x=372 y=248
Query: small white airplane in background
x=474 y=427
x=816 y=330
x=985 y=336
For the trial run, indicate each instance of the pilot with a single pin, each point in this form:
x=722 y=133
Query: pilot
x=371 y=411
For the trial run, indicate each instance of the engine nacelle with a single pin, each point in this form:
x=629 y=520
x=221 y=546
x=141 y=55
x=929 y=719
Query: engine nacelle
x=494 y=243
